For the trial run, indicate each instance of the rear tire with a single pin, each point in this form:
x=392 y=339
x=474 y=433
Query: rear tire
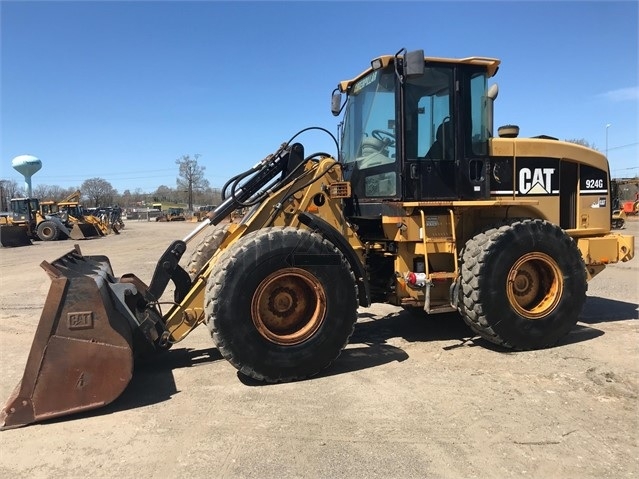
x=282 y=304
x=48 y=231
x=522 y=285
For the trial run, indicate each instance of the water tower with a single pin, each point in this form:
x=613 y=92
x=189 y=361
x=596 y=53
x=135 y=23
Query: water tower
x=28 y=165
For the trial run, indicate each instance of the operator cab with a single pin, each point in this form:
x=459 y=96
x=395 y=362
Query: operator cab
x=416 y=129
x=23 y=209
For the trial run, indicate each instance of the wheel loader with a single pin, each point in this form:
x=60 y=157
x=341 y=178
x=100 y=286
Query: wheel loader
x=83 y=225
x=14 y=234
x=32 y=219
x=421 y=206
x=29 y=220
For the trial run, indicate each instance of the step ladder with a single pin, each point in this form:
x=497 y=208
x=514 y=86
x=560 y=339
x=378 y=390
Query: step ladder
x=450 y=243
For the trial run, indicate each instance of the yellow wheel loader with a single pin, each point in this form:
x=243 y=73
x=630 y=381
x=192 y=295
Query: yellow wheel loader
x=28 y=220
x=420 y=206
x=12 y=235
x=32 y=219
x=82 y=225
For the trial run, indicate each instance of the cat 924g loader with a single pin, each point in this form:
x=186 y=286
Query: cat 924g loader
x=421 y=206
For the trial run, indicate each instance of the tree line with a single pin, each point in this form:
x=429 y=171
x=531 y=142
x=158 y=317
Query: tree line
x=191 y=188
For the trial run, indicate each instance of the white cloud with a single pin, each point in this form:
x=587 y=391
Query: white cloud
x=622 y=94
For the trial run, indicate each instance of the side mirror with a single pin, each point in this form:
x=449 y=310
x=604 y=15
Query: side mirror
x=414 y=63
x=336 y=102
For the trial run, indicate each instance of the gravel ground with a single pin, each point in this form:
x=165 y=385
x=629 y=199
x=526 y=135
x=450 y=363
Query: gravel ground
x=409 y=397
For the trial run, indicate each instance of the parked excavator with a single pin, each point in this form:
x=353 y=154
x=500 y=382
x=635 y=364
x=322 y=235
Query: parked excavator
x=421 y=206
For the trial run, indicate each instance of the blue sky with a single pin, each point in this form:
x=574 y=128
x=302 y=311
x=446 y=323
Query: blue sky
x=119 y=90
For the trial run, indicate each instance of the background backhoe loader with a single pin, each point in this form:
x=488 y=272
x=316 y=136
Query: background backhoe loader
x=420 y=206
x=172 y=214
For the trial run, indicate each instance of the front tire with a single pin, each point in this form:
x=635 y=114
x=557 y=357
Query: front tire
x=282 y=304
x=48 y=231
x=522 y=285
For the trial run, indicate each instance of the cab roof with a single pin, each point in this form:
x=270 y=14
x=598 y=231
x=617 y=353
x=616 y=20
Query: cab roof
x=491 y=65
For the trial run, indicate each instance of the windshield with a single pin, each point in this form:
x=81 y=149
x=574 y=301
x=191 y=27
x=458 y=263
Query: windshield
x=370 y=116
x=368 y=139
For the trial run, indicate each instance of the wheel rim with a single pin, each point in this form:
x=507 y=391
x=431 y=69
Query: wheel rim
x=47 y=231
x=534 y=285
x=289 y=306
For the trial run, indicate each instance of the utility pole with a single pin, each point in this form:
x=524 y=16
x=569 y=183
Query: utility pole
x=607 y=126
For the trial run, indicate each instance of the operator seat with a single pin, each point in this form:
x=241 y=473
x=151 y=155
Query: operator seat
x=442 y=155
x=442 y=148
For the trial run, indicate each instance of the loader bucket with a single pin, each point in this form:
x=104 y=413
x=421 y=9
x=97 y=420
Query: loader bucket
x=13 y=235
x=82 y=353
x=84 y=231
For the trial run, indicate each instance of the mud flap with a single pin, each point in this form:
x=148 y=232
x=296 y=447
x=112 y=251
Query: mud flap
x=13 y=235
x=82 y=353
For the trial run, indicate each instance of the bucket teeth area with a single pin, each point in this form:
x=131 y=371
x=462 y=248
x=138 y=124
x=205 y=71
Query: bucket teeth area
x=74 y=264
x=81 y=357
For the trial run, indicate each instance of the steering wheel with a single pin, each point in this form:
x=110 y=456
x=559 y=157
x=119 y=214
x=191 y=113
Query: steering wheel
x=386 y=136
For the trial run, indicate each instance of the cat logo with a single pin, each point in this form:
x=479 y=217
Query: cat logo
x=537 y=181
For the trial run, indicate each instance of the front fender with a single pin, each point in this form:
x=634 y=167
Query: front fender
x=330 y=233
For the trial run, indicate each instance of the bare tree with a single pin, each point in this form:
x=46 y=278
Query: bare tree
x=164 y=193
x=8 y=189
x=208 y=196
x=139 y=197
x=191 y=177
x=125 y=199
x=99 y=191
x=52 y=192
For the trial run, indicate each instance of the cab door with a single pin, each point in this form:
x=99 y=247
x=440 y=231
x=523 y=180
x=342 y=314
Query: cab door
x=474 y=130
x=430 y=166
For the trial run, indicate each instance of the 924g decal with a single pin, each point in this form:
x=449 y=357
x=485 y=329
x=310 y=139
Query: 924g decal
x=593 y=181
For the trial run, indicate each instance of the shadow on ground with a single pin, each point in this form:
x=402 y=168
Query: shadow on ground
x=152 y=380
x=603 y=310
x=369 y=347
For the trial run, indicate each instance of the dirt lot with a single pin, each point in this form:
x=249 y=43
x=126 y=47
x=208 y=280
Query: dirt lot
x=408 y=398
